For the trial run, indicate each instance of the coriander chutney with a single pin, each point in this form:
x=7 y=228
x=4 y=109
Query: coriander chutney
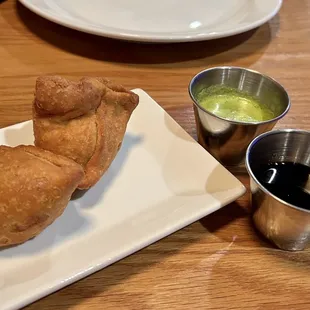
x=232 y=104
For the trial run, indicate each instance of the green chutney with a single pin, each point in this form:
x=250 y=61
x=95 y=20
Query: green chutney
x=232 y=104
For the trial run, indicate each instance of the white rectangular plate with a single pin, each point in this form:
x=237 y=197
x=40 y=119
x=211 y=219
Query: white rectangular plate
x=161 y=181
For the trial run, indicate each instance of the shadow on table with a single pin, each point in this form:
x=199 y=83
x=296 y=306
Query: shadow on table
x=99 y=48
x=223 y=217
x=217 y=221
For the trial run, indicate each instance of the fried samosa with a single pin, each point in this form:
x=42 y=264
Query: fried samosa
x=85 y=121
x=35 y=188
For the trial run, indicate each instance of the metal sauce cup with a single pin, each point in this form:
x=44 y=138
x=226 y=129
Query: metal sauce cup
x=228 y=140
x=286 y=225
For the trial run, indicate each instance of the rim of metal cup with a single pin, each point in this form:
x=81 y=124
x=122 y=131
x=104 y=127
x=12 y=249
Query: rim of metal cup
x=238 y=122
x=252 y=175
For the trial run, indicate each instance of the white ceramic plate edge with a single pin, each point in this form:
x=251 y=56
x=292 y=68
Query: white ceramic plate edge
x=99 y=266
x=149 y=38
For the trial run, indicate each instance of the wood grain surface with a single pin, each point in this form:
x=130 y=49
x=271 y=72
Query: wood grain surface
x=219 y=262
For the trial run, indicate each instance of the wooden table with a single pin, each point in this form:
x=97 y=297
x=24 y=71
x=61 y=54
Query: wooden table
x=219 y=262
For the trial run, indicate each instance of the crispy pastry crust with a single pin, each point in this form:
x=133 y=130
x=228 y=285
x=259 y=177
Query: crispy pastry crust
x=35 y=187
x=85 y=121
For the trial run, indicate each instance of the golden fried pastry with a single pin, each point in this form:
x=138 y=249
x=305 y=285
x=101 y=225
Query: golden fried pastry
x=35 y=187
x=85 y=121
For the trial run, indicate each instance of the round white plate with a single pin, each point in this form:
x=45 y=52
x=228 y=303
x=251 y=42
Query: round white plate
x=158 y=20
